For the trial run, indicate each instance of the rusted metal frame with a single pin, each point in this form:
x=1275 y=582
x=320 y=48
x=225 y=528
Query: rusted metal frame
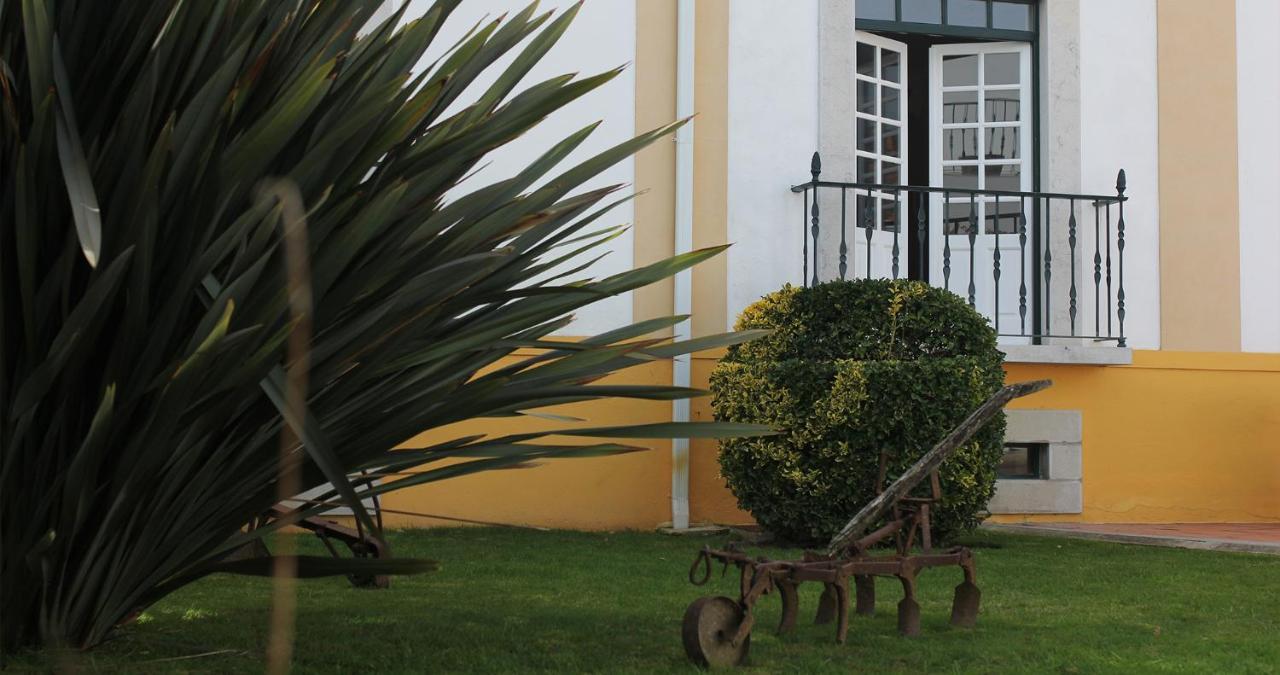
x=360 y=544
x=926 y=534
x=874 y=538
x=826 y=575
x=761 y=583
x=824 y=571
x=908 y=607
x=843 y=560
x=788 y=593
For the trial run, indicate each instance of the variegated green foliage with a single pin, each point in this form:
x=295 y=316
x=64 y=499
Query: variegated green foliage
x=853 y=369
x=143 y=310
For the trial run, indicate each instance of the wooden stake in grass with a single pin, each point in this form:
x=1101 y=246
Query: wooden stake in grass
x=284 y=600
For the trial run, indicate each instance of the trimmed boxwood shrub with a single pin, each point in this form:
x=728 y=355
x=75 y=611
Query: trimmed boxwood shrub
x=852 y=368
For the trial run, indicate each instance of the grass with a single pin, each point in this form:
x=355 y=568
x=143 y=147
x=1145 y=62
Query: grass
x=510 y=600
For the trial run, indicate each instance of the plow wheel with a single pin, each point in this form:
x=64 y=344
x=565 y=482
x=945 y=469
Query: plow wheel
x=709 y=627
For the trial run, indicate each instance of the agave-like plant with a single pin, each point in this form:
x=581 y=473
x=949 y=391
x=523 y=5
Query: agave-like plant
x=145 y=303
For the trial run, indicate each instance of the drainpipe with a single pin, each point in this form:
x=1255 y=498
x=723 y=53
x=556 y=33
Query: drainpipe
x=683 y=301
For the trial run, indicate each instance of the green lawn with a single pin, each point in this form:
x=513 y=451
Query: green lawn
x=509 y=600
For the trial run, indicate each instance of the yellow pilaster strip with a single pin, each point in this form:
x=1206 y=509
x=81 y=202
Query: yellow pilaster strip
x=655 y=69
x=711 y=163
x=1199 y=199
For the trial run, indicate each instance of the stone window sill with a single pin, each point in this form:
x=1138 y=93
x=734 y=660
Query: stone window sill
x=1068 y=355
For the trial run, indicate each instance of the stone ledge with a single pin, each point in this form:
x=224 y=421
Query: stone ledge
x=1030 y=496
x=693 y=530
x=1033 y=425
x=1199 y=543
x=1065 y=461
x=1068 y=355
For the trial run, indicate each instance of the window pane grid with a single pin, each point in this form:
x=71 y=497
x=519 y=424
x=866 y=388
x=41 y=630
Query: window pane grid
x=981 y=136
x=879 y=133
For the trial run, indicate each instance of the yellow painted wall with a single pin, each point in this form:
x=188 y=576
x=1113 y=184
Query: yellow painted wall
x=709 y=499
x=626 y=491
x=1175 y=437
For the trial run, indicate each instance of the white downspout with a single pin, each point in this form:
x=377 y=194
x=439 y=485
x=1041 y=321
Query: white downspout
x=683 y=301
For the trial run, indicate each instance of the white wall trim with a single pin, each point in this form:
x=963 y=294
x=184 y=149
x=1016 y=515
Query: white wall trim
x=1119 y=129
x=681 y=369
x=1258 y=130
x=773 y=131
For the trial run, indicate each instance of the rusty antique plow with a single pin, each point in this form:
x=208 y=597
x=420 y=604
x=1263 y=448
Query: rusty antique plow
x=717 y=629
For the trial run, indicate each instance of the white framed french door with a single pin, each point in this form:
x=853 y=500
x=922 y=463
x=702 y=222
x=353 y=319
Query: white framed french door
x=880 y=156
x=980 y=132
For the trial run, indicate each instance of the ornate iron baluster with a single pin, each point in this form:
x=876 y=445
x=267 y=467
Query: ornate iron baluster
x=1048 y=267
x=995 y=266
x=1120 y=188
x=921 y=231
x=815 y=168
x=844 y=247
x=804 y=239
x=946 y=243
x=897 y=225
x=1108 y=274
x=1097 y=269
x=973 y=241
x=1071 y=242
x=869 y=220
x=1022 y=244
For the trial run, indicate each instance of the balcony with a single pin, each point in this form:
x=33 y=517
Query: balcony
x=1043 y=267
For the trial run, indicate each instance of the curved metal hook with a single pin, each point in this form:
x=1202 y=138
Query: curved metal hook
x=704 y=558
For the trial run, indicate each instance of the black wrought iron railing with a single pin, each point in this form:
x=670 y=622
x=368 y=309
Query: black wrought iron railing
x=1039 y=265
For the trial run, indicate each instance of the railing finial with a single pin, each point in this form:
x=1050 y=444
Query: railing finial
x=1121 y=184
x=815 y=165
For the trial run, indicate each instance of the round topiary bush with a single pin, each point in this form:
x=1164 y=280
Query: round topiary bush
x=852 y=368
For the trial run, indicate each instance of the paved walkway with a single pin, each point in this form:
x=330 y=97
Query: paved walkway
x=1246 y=537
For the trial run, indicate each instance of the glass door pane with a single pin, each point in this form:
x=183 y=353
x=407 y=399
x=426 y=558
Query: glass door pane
x=881 y=152
x=980 y=132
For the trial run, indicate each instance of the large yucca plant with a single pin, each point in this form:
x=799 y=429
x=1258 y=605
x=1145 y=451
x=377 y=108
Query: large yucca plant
x=144 y=308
